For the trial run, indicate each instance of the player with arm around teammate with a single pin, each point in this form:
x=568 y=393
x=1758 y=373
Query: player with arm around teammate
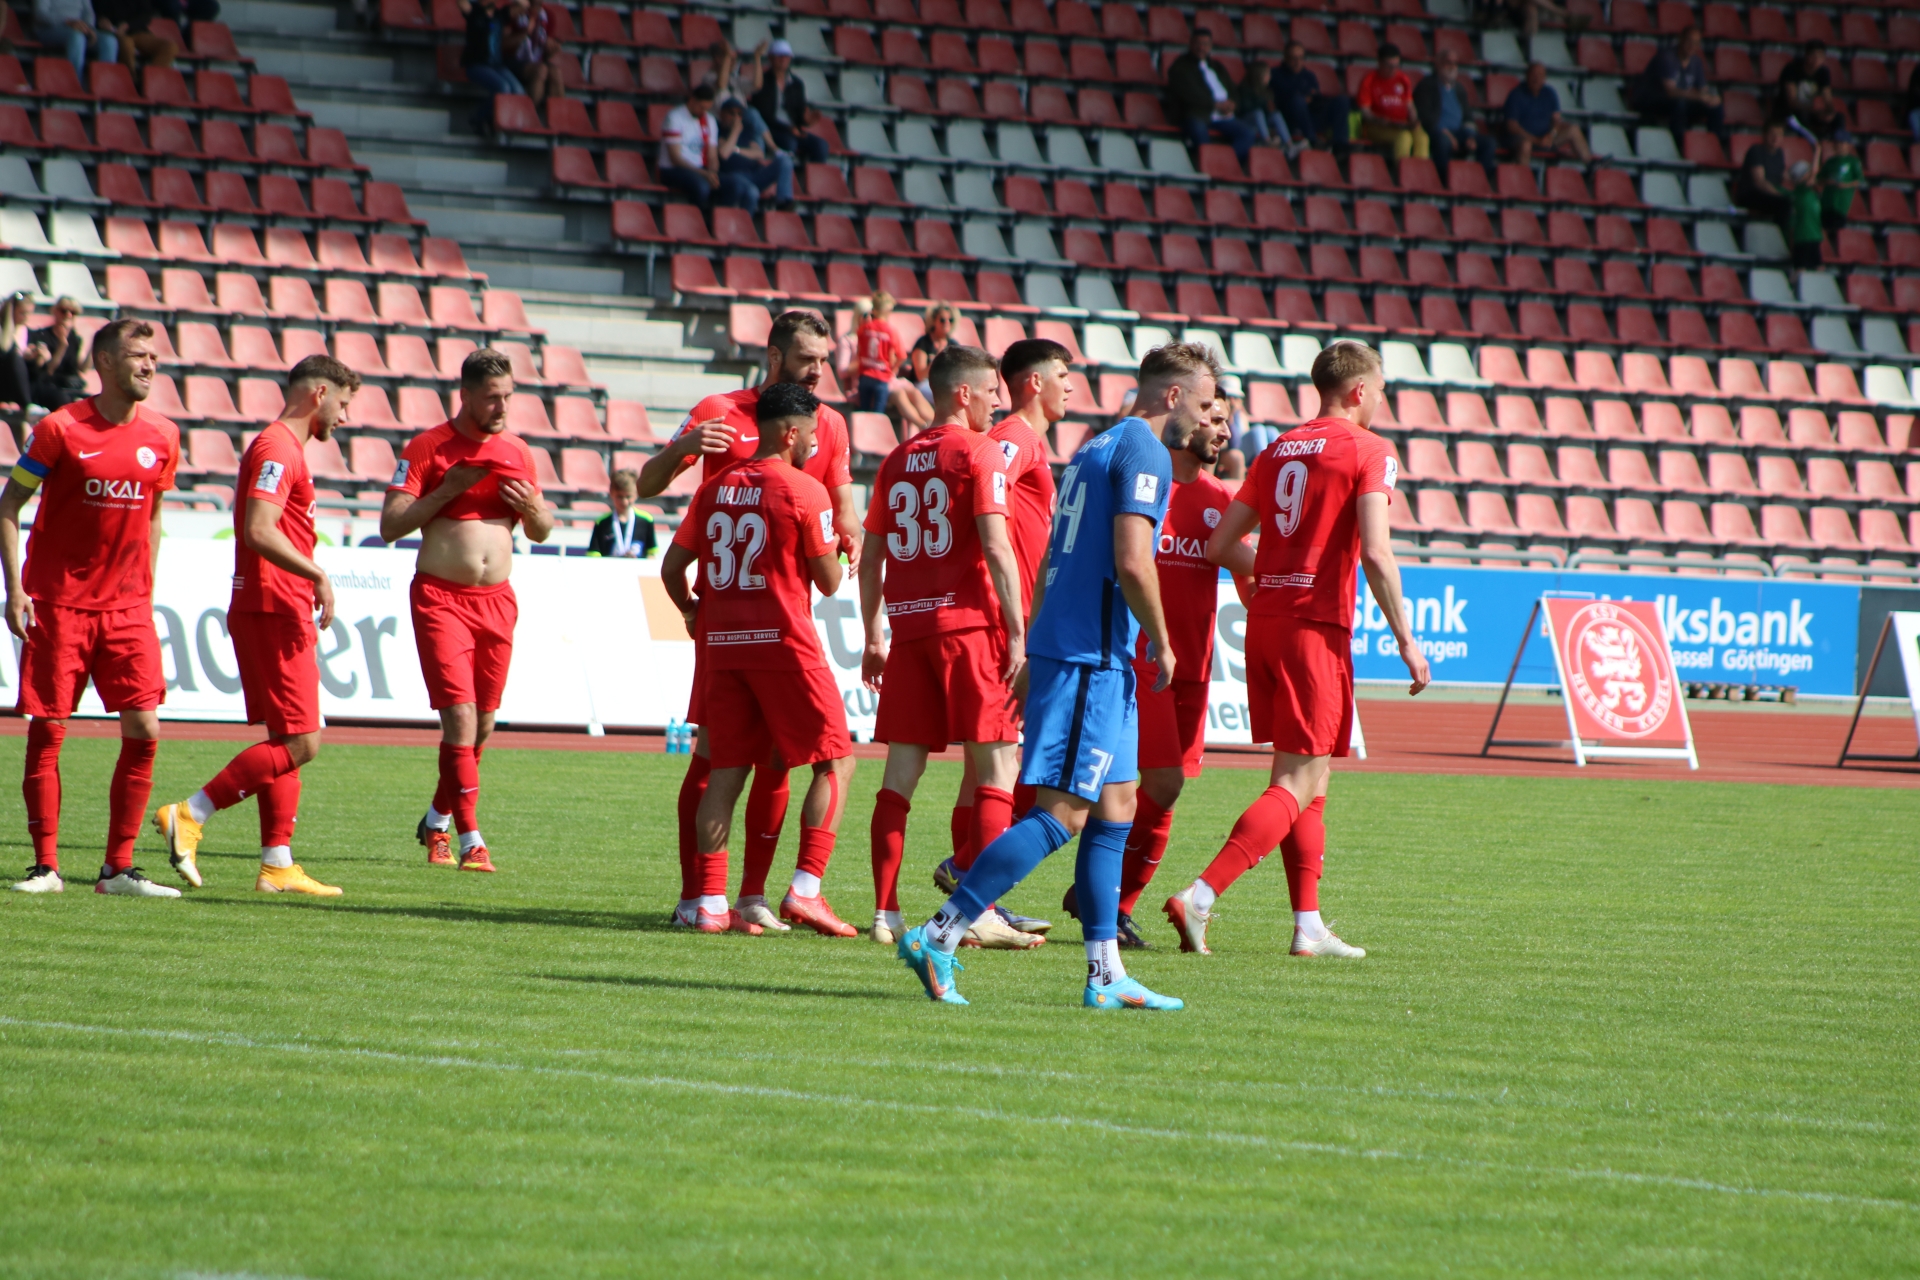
x=761 y=536
x=939 y=553
x=84 y=606
x=277 y=589
x=1319 y=497
x=1081 y=718
x=720 y=432
x=462 y=487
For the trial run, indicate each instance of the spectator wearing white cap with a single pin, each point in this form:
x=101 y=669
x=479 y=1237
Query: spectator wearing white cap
x=781 y=101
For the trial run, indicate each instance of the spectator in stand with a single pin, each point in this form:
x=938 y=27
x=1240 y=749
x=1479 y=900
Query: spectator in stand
x=70 y=27
x=690 y=155
x=1309 y=115
x=627 y=532
x=1385 y=100
x=1673 y=90
x=55 y=379
x=482 y=57
x=1762 y=187
x=747 y=152
x=781 y=101
x=909 y=410
x=1805 y=235
x=1440 y=100
x=1804 y=100
x=1203 y=100
x=1534 y=119
x=941 y=319
x=532 y=52
x=880 y=354
x=129 y=20
x=1839 y=181
x=1253 y=104
x=16 y=381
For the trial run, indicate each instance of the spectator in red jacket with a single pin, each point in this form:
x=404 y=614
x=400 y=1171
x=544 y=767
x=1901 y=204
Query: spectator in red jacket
x=1385 y=100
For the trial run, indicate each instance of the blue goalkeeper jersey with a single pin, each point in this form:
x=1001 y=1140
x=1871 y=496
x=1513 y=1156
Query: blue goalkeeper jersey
x=1083 y=618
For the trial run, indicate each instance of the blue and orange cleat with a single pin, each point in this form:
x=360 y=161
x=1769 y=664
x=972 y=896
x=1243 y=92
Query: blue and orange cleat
x=934 y=967
x=1127 y=994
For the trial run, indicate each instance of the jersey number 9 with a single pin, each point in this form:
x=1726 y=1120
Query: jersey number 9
x=908 y=507
x=1289 y=497
x=749 y=533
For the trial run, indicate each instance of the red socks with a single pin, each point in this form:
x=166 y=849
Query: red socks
x=1303 y=851
x=816 y=849
x=1025 y=796
x=766 y=814
x=992 y=815
x=279 y=809
x=127 y=801
x=692 y=788
x=711 y=871
x=960 y=828
x=248 y=774
x=889 y=834
x=1146 y=842
x=41 y=787
x=460 y=785
x=1264 y=825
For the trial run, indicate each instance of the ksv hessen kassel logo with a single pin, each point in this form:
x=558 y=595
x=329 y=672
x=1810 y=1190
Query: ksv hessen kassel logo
x=145 y=457
x=1614 y=669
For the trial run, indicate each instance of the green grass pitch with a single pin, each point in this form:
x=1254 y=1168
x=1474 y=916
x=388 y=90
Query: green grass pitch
x=1608 y=1028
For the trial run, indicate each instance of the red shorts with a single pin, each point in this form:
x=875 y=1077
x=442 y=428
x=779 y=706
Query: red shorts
x=1173 y=722
x=757 y=712
x=278 y=671
x=118 y=650
x=946 y=688
x=697 y=699
x=1300 y=685
x=465 y=638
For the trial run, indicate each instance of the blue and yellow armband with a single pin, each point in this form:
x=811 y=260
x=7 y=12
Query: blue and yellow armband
x=29 y=472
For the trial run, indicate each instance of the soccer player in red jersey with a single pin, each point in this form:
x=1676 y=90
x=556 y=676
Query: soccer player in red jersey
x=277 y=588
x=1173 y=720
x=1035 y=371
x=462 y=487
x=939 y=552
x=1319 y=496
x=84 y=608
x=720 y=432
x=761 y=534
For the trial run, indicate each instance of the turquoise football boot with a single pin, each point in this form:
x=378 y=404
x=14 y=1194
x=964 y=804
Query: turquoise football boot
x=1127 y=994
x=934 y=967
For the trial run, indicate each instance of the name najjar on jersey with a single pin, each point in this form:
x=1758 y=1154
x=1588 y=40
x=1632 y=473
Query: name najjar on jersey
x=125 y=489
x=739 y=495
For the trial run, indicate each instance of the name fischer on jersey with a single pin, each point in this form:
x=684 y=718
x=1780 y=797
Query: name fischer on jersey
x=1295 y=448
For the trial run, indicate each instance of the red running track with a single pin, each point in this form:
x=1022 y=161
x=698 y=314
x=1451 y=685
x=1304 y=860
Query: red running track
x=1786 y=745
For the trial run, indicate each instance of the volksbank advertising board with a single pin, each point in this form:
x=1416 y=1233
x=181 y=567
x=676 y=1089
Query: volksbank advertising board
x=1723 y=630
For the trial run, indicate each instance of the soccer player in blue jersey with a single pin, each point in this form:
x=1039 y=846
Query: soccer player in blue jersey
x=1098 y=590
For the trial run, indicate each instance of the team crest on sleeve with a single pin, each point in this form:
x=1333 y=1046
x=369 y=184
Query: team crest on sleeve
x=1146 y=487
x=1212 y=517
x=400 y=473
x=1389 y=473
x=270 y=473
x=145 y=457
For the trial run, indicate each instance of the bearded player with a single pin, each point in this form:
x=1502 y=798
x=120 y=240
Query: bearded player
x=761 y=535
x=1319 y=496
x=1098 y=591
x=1173 y=721
x=462 y=487
x=1035 y=371
x=277 y=588
x=939 y=552
x=84 y=609
x=720 y=432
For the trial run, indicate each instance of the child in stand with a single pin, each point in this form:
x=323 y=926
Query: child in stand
x=878 y=351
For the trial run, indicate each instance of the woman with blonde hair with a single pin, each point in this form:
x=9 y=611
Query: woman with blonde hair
x=941 y=319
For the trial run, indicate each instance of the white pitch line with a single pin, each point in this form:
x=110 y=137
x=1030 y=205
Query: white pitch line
x=234 y=1040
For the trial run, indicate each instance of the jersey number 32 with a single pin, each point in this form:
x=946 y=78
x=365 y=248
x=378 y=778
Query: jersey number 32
x=736 y=544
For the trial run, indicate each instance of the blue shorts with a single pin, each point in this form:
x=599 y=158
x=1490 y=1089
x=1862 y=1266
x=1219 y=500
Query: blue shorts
x=1083 y=727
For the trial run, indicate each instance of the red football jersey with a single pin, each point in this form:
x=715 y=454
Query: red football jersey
x=92 y=540
x=1189 y=585
x=879 y=350
x=926 y=497
x=1030 y=514
x=828 y=463
x=1306 y=487
x=428 y=457
x=754 y=529
x=274 y=469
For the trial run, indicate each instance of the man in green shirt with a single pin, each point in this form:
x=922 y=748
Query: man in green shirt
x=1840 y=175
x=1804 y=230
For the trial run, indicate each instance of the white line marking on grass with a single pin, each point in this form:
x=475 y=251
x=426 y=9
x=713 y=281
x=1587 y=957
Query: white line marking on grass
x=233 y=1040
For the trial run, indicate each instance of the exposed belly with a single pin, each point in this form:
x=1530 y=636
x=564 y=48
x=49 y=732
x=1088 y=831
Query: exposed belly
x=472 y=553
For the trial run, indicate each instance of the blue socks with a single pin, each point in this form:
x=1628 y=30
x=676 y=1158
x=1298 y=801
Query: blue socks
x=1012 y=858
x=1096 y=875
